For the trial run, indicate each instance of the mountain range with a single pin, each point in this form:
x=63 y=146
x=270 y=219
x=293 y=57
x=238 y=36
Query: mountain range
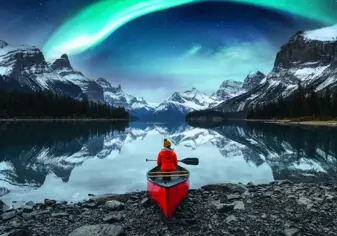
x=25 y=68
x=309 y=57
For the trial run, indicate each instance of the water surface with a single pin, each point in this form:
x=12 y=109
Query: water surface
x=67 y=161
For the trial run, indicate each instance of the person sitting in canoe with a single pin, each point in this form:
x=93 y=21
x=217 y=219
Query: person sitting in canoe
x=167 y=158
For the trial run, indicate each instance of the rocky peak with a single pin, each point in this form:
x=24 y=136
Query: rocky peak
x=228 y=89
x=253 y=80
x=3 y=44
x=61 y=63
x=104 y=83
x=176 y=97
x=230 y=83
x=23 y=58
x=307 y=47
x=138 y=100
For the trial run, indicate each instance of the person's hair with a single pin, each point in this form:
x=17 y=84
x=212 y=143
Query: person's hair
x=169 y=146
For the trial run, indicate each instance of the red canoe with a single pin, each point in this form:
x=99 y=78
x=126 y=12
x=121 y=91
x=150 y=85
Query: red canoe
x=168 y=194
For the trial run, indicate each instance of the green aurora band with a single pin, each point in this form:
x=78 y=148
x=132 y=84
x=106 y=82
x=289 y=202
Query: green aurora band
x=95 y=23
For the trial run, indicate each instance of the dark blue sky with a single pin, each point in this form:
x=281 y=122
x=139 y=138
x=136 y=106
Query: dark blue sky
x=195 y=45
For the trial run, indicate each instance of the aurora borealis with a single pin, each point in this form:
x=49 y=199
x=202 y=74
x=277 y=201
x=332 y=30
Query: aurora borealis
x=154 y=48
x=96 y=22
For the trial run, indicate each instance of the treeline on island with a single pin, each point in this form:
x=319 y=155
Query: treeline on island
x=303 y=104
x=210 y=118
x=44 y=105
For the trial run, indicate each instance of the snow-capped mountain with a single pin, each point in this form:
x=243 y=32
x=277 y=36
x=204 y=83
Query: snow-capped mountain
x=253 y=80
x=228 y=89
x=24 y=68
x=309 y=56
x=181 y=103
x=231 y=88
x=65 y=71
x=114 y=95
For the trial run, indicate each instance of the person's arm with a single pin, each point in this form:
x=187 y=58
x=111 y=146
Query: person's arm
x=159 y=159
x=175 y=159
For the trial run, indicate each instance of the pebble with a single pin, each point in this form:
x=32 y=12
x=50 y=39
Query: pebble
x=278 y=208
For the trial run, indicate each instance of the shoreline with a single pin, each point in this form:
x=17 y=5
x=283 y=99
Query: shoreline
x=331 y=123
x=276 y=208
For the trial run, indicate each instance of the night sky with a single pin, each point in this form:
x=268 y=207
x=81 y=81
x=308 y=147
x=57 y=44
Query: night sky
x=154 y=53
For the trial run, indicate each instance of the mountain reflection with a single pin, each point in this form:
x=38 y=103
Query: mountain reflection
x=291 y=152
x=29 y=152
x=33 y=150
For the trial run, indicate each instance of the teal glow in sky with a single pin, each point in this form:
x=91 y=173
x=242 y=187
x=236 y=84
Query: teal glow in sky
x=154 y=48
x=96 y=22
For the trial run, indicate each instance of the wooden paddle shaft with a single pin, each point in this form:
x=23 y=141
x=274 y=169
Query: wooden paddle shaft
x=168 y=172
x=160 y=176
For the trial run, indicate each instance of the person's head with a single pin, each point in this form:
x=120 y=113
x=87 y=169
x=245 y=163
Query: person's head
x=167 y=143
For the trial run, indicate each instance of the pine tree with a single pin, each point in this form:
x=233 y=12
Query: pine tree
x=48 y=105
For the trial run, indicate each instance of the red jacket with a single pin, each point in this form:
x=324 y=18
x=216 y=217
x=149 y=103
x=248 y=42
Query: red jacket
x=167 y=160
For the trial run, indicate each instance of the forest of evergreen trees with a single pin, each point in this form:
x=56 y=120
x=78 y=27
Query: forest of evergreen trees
x=17 y=104
x=303 y=104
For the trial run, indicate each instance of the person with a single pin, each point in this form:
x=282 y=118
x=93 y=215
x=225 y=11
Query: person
x=167 y=158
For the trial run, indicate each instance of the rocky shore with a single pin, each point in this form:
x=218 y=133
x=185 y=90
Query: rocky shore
x=277 y=208
x=329 y=123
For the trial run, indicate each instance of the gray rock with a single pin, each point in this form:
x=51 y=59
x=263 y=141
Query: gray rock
x=230 y=218
x=239 y=205
x=30 y=203
x=8 y=215
x=17 y=232
x=98 y=230
x=113 y=218
x=305 y=201
x=232 y=197
x=224 y=207
x=114 y=205
x=146 y=202
x=27 y=216
x=28 y=208
x=101 y=199
x=291 y=231
x=4 y=191
x=90 y=204
x=44 y=212
x=60 y=214
x=49 y=202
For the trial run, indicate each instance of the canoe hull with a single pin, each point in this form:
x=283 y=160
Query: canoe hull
x=168 y=198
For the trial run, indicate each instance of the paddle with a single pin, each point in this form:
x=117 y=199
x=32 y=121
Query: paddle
x=188 y=161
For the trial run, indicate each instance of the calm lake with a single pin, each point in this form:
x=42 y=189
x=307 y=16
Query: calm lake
x=67 y=161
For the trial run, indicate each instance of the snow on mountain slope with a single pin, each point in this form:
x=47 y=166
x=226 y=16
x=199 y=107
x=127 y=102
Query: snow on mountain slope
x=324 y=34
x=227 y=90
x=65 y=71
x=115 y=96
x=253 y=80
x=24 y=67
x=309 y=57
x=112 y=95
x=189 y=136
x=180 y=103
